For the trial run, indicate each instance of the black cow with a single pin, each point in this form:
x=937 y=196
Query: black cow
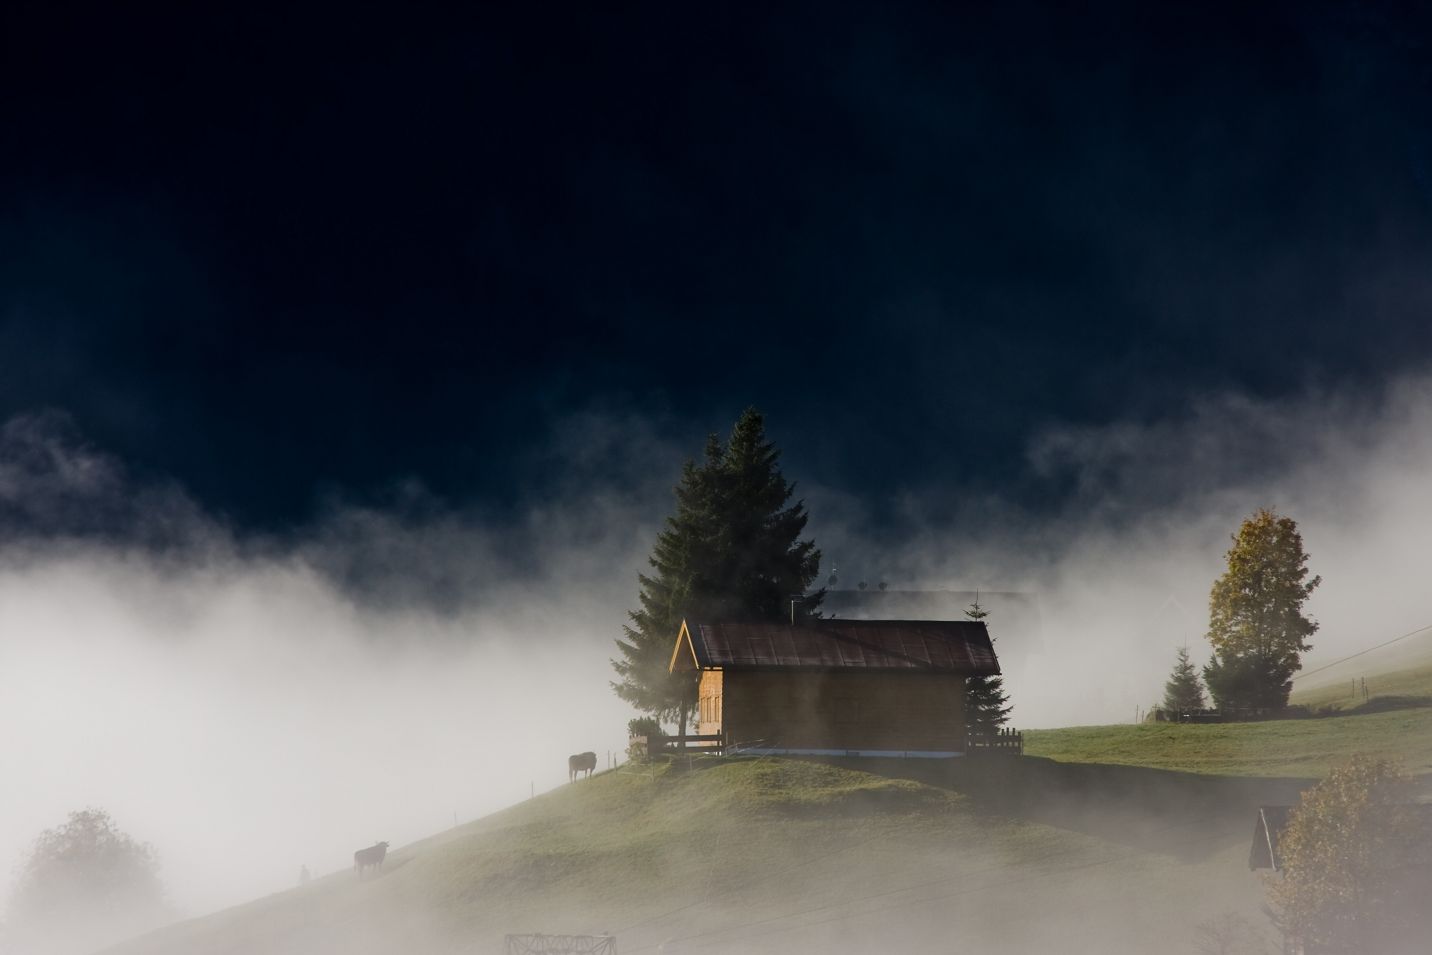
x=373 y=855
x=582 y=762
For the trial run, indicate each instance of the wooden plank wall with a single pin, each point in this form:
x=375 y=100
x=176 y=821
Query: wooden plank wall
x=709 y=703
x=845 y=710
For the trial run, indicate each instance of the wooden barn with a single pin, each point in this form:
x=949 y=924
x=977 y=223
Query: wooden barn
x=836 y=687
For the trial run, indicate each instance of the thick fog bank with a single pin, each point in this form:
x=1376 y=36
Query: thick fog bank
x=253 y=704
x=253 y=721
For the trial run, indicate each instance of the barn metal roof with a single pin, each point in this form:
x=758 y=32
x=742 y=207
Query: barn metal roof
x=953 y=646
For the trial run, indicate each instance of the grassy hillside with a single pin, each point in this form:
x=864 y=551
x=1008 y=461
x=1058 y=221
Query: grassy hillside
x=1395 y=721
x=1306 y=747
x=1414 y=652
x=1402 y=688
x=776 y=855
x=1125 y=838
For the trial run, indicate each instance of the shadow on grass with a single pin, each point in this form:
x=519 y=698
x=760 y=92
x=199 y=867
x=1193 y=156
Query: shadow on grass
x=684 y=763
x=1187 y=816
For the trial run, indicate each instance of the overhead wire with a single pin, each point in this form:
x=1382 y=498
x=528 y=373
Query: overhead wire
x=1353 y=656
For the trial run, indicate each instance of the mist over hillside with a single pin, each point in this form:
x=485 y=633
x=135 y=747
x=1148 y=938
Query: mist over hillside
x=770 y=855
x=349 y=360
x=273 y=702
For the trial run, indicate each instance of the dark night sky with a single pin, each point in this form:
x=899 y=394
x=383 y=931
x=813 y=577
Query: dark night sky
x=275 y=254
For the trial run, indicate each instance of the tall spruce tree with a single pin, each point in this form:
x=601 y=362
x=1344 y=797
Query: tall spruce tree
x=1183 y=692
x=730 y=551
x=1255 y=615
x=987 y=706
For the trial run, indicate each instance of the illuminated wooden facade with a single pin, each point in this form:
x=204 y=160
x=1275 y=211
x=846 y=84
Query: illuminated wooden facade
x=868 y=687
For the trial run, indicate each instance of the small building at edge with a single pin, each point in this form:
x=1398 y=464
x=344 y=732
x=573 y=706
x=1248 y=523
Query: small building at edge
x=836 y=687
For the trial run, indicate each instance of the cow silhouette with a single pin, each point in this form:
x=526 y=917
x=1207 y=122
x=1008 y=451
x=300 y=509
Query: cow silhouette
x=582 y=762
x=371 y=856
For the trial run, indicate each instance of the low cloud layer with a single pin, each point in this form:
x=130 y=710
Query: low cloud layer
x=249 y=719
x=251 y=704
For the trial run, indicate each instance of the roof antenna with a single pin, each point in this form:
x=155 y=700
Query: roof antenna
x=794 y=598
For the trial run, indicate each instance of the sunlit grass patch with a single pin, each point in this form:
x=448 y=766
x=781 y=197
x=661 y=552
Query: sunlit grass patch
x=1300 y=748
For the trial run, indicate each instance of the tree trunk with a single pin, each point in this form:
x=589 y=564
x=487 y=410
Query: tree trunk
x=681 y=728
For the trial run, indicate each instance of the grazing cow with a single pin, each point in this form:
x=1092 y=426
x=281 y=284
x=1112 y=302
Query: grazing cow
x=373 y=855
x=582 y=762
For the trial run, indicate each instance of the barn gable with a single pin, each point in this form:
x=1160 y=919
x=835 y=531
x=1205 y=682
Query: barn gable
x=683 y=655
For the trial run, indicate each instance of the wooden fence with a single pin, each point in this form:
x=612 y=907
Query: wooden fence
x=1226 y=715
x=1006 y=742
x=713 y=744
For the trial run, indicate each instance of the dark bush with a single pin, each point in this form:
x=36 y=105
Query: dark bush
x=643 y=726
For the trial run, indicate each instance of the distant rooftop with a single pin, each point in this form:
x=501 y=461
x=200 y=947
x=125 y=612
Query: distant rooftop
x=1015 y=618
x=952 y=604
x=1272 y=820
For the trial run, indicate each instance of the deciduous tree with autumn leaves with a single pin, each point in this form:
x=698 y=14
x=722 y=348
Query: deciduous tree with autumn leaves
x=1256 y=622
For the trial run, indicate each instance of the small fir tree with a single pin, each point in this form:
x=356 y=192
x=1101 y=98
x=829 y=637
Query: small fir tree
x=987 y=706
x=1183 y=692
